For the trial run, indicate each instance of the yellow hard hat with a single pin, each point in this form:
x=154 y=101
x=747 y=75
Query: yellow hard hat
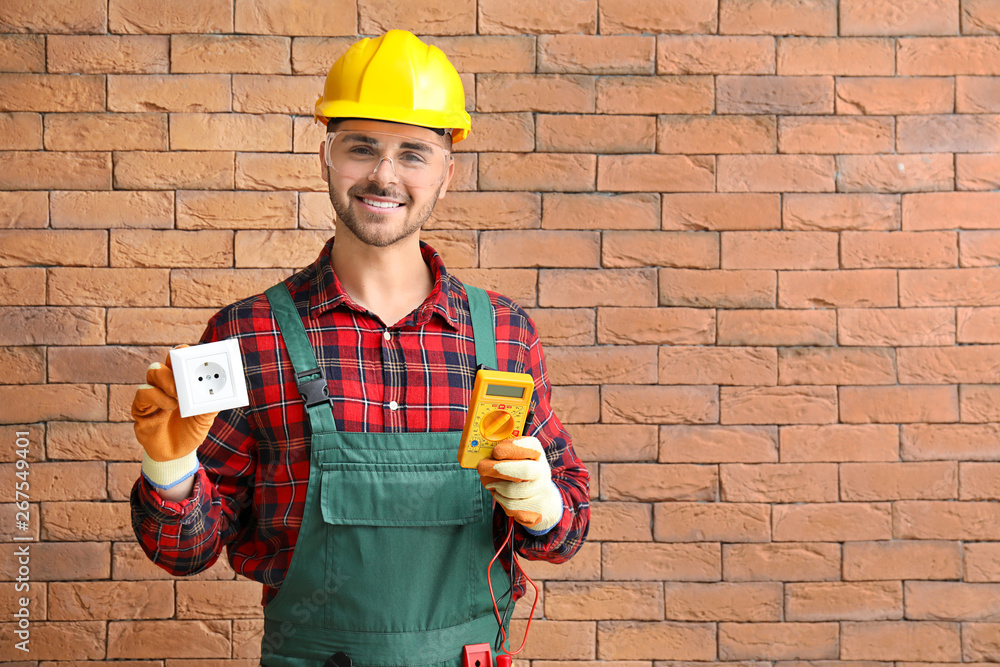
x=396 y=78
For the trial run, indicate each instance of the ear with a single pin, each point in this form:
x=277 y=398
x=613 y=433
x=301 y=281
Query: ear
x=324 y=170
x=447 y=178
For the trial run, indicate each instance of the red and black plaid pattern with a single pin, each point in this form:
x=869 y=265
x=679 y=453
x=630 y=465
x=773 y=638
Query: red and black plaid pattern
x=250 y=492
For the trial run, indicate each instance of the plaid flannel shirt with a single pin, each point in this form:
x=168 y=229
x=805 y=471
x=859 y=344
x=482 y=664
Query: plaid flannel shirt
x=416 y=375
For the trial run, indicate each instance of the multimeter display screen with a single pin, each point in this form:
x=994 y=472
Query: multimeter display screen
x=504 y=391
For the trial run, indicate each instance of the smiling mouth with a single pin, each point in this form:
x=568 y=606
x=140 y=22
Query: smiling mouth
x=374 y=203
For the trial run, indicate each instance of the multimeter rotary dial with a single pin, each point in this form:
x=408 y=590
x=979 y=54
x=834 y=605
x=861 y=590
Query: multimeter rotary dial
x=497 y=425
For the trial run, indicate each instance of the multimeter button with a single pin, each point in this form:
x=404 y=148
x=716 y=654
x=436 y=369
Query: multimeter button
x=387 y=335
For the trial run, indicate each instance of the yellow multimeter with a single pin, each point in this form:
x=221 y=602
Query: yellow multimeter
x=499 y=407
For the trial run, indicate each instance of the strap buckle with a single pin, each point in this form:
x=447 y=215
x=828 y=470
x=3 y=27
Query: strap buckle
x=313 y=390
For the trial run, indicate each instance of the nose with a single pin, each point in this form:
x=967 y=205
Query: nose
x=382 y=176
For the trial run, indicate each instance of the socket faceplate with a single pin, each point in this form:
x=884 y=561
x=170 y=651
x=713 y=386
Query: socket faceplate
x=209 y=377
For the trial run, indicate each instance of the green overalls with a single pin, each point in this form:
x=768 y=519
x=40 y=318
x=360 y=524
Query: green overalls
x=390 y=562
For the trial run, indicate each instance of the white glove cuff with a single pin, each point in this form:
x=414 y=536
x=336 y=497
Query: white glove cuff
x=165 y=474
x=552 y=511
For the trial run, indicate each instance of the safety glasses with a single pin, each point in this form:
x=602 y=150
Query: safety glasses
x=357 y=153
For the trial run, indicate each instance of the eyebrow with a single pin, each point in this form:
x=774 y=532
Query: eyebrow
x=371 y=141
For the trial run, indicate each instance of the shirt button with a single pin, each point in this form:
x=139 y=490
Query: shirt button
x=393 y=405
x=387 y=335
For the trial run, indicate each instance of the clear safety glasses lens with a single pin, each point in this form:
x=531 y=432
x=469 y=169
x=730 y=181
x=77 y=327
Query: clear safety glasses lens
x=357 y=154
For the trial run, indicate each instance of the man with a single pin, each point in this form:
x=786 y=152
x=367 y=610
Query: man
x=337 y=487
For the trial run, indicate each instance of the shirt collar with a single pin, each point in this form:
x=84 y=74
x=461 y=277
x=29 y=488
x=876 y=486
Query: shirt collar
x=326 y=291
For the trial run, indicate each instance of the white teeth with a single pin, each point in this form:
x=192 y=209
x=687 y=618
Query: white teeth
x=381 y=204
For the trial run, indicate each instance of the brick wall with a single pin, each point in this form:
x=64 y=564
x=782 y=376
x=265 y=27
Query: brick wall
x=758 y=238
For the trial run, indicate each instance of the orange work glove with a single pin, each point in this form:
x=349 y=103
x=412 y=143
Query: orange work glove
x=170 y=442
x=519 y=477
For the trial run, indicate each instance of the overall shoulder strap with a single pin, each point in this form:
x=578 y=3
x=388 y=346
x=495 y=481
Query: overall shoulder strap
x=483 y=327
x=309 y=377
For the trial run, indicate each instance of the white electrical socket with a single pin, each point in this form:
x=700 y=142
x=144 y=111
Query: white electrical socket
x=209 y=377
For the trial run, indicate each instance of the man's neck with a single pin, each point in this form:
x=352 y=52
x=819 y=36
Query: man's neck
x=390 y=282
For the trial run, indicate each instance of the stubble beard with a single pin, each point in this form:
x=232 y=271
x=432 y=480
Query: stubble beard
x=378 y=233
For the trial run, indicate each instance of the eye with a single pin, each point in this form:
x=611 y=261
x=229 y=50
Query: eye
x=360 y=150
x=413 y=159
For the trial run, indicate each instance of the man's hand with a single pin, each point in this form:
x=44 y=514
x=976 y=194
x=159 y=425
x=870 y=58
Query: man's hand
x=169 y=440
x=519 y=477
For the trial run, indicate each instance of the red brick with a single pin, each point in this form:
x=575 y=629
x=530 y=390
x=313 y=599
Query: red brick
x=944 y=365
x=159 y=639
x=751 y=602
x=484 y=210
x=48 y=171
x=218 y=599
x=572 y=288
x=653 y=482
x=237 y=54
x=562 y=640
x=981 y=562
x=718 y=444
x=899 y=481
x=278 y=171
x=711 y=522
x=176 y=92
x=947 y=56
x=53 y=326
x=781 y=562
x=56 y=481
x=149 y=16
x=899 y=560
x=94 y=522
x=536 y=171
x=422 y=17
x=540 y=249
x=271 y=93
x=959 y=133
x=839 y=56
x=104 y=287
x=775 y=94
x=658 y=326
x=204 y=288
x=899 y=250
x=895 y=173
x=150 y=249
x=230 y=132
x=895 y=95
x=235 y=210
x=112 y=209
x=834 y=365
x=503 y=132
x=720 y=289
x=554 y=93
x=716 y=134
x=93 y=441
x=156 y=326
x=121 y=479
x=110 y=600
x=777 y=327
x=656 y=562
x=893 y=327
x=105 y=132
x=978 y=325
x=843 y=289
x=898 y=404
x=675 y=249
x=584 y=566
x=868 y=601
x=899 y=17
x=307 y=134
x=22 y=286
x=485 y=54
x=835 y=135
x=832 y=522
x=22 y=53
x=977 y=172
x=721 y=211
x=977 y=94
x=621 y=522
x=979 y=403
x=287 y=17
x=779 y=250
x=980 y=641
x=977 y=481
x=703 y=365
x=518 y=284
x=603 y=600
x=584 y=54
x=778 y=641
x=577 y=211
x=58 y=641
x=649 y=16
x=642 y=404
x=26 y=365
x=950 y=210
x=779 y=483
x=655 y=95
x=776 y=173
x=632 y=640
x=778 y=17
x=614 y=442
x=168 y=171
x=281 y=248
x=980 y=17
x=594 y=365
x=595 y=134
x=54 y=16
x=130 y=563
x=657 y=173
x=979 y=248
x=839 y=443
x=963 y=442
x=111 y=54
x=315 y=55
x=20 y=131
x=838 y=212
x=900 y=640
x=503 y=18
x=712 y=54
x=778 y=405
x=41 y=247
x=949 y=287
